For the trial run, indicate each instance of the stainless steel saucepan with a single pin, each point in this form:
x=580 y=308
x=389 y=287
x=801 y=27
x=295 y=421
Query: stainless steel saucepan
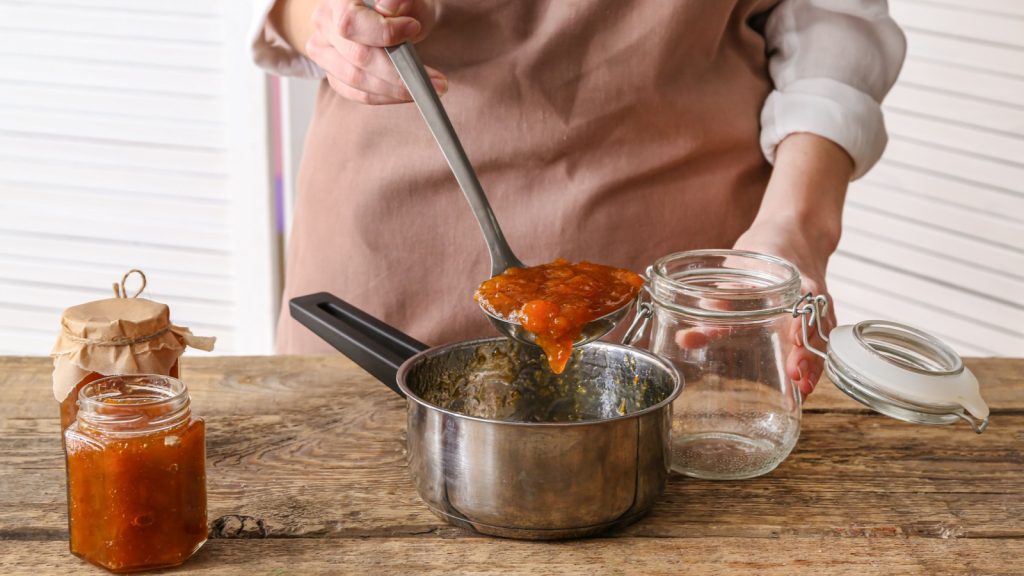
x=499 y=444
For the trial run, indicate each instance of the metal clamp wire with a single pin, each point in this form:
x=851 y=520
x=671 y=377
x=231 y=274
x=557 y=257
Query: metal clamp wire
x=812 y=309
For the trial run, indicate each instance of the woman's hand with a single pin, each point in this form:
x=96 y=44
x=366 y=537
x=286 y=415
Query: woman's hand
x=786 y=238
x=800 y=219
x=347 y=40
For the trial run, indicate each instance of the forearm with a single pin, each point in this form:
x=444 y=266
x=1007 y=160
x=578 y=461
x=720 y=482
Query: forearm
x=807 y=189
x=293 y=20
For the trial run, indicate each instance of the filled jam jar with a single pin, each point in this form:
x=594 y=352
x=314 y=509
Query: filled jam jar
x=136 y=471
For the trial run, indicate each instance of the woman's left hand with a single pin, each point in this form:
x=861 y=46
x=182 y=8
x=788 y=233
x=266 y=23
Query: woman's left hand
x=800 y=219
x=787 y=240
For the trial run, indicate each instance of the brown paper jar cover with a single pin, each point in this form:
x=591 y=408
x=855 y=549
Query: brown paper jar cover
x=118 y=336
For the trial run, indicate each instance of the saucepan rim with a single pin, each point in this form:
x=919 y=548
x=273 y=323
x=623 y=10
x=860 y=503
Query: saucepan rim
x=406 y=366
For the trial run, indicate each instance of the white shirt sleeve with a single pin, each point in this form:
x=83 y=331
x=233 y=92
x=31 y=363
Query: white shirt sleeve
x=832 y=63
x=271 y=52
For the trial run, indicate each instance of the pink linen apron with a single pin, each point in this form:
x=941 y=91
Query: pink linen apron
x=609 y=131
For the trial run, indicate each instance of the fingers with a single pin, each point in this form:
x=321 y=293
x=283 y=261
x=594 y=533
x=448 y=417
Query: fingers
x=804 y=368
x=695 y=338
x=354 y=95
x=376 y=64
x=356 y=82
x=354 y=21
x=359 y=70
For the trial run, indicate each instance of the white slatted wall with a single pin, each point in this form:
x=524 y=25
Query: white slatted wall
x=133 y=134
x=934 y=235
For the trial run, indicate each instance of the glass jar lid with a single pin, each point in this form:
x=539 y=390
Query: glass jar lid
x=898 y=370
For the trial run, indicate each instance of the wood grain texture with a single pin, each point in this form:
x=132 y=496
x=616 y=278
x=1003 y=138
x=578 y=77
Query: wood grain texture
x=431 y=554
x=306 y=474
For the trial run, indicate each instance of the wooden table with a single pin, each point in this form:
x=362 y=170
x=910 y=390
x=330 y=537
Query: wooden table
x=306 y=475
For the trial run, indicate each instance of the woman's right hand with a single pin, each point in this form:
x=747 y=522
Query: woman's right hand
x=348 y=42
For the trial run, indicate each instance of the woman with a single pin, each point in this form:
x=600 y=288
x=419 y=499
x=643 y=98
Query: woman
x=616 y=132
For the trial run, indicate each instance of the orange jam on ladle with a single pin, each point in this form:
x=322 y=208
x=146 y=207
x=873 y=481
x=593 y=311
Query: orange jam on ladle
x=556 y=300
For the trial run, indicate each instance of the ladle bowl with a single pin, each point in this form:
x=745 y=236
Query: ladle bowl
x=591 y=331
x=410 y=69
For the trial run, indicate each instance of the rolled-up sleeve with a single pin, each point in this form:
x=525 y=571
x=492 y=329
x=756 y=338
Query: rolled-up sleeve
x=271 y=52
x=832 y=62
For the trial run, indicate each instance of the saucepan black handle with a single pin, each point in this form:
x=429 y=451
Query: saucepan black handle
x=375 y=346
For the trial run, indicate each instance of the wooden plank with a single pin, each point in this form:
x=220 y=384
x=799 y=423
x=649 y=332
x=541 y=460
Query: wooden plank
x=957 y=21
x=205 y=7
x=63 y=295
x=150 y=227
x=963 y=80
x=40 y=97
x=986 y=143
x=998 y=118
x=153 y=27
x=852 y=312
x=30 y=269
x=18 y=340
x=114 y=253
x=208 y=187
x=336 y=473
x=122 y=129
x=929 y=264
x=305 y=382
x=963 y=51
x=114 y=207
x=942 y=160
x=195 y=161
x=904 y=228
x=988 y=227
x=201 y=82
x=110 y=50
x=974 y=305
x=924 y=315
x=924 y=309
x=442 y=553
x=1004 y=7
x=1001 y=204
x=316 y=450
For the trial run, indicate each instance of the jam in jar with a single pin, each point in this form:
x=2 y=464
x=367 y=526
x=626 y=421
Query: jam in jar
x=136 y=474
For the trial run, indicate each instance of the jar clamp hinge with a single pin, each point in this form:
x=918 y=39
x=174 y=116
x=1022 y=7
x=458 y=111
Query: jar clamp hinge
x=812 y=309
x=642 y=317
x=644 y=311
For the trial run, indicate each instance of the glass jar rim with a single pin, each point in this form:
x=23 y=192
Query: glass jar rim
x=166 y=404
x=793 y=275
x=176 y=390
x=788 y=281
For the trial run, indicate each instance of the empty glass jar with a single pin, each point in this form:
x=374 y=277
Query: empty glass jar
x=723 y=318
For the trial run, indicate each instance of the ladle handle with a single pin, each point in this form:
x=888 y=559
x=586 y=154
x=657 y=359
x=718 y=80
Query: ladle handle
x=410 y=68
x=375 y=346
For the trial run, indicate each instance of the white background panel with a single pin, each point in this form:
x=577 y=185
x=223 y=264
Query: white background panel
x=133 y=134
x=934 y=235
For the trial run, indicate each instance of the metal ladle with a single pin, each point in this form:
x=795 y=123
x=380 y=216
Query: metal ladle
x=410 y=69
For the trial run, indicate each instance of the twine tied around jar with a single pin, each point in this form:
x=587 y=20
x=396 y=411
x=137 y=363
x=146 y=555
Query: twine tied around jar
x=126 y=334
x=119 y=289
x=120 y=341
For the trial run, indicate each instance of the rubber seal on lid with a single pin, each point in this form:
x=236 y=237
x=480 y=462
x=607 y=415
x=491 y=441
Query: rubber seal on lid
x=905 y=373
